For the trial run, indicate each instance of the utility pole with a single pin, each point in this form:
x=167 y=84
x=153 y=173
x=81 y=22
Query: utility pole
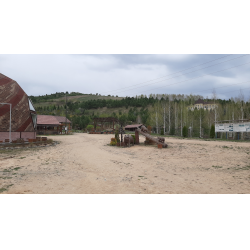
x=65 y=111
x=169 y=115
x=156 y=122
x=242 y=118
x=200 y=123
x=175 y=117
x=164 y=122
x=181 y=120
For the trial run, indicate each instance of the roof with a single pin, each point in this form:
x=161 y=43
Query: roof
x=12 y=93
x=51 y=120
x=202 y=101
x=47 y=120
x=133 y=126
x=62 y=119
x=199 y=101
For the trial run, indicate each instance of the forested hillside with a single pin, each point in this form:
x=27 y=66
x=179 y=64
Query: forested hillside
x=165 y=113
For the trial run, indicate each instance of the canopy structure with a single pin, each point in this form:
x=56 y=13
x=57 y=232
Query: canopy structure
x=103 y=120
x=133 y=127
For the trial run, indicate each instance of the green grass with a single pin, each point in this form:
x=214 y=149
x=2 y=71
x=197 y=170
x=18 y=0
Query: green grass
x=2 y=190
x=6 y=170
x=244 y=168
x=4 y=178
x=5 y=188
x=216 y=166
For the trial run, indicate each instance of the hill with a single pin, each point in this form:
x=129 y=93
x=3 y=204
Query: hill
x=60 y=98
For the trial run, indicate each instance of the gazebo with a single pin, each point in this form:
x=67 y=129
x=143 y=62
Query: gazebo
x=103 y=120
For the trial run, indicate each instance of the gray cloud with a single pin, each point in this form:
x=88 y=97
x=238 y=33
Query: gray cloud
x=110 y=74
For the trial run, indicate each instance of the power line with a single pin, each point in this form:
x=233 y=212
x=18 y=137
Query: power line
x=184 y=74
x=232 y=91
x=167 y=75
x=196 y=77
x=222 y=86
x=190 y=72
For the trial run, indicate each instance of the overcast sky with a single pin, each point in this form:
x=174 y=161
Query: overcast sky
x=130 y=75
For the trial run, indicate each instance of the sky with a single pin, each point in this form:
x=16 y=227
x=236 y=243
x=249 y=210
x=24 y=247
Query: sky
x=130 y=74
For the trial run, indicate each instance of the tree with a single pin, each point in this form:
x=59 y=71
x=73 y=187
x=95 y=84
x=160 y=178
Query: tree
x=185 y=131
x=172 y=130
x=123 y=119
x=212 y=131
x=117 y=135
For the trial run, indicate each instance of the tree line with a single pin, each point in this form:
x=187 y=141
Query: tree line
x=167 y=113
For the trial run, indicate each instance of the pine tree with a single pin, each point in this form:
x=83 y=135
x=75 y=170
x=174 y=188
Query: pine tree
x=212 y=131
x=185 y=131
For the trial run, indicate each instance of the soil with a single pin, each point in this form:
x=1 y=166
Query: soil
x=86 y=164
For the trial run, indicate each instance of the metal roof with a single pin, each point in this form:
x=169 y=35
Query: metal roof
x=51 y=120
x=203 y=102
x=62 y=119
x=12 y=93
x=133 y=126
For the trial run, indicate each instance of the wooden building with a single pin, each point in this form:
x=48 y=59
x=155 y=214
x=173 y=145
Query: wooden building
x=50 y=124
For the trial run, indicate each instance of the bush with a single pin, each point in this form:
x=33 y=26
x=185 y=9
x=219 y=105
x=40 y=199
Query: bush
x=185 y=131
x=113 y=142
x=117 y=136
x=89 y=127
x=162 y=131
x=212 y=131
x=172 y=130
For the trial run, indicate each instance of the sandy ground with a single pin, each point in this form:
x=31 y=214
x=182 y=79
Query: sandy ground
x=85 y=164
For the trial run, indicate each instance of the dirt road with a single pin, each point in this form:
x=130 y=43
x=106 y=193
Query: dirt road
x=85 y=164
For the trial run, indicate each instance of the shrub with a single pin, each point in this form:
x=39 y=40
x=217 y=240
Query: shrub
x=172 y=130
x=89 y=127
x=162 y=131
x=185 y=131
x=112 y=143
x=117 y=136
x=212 y=131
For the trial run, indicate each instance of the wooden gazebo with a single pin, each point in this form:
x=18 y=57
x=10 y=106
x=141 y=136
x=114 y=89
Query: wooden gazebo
x=102 y=120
